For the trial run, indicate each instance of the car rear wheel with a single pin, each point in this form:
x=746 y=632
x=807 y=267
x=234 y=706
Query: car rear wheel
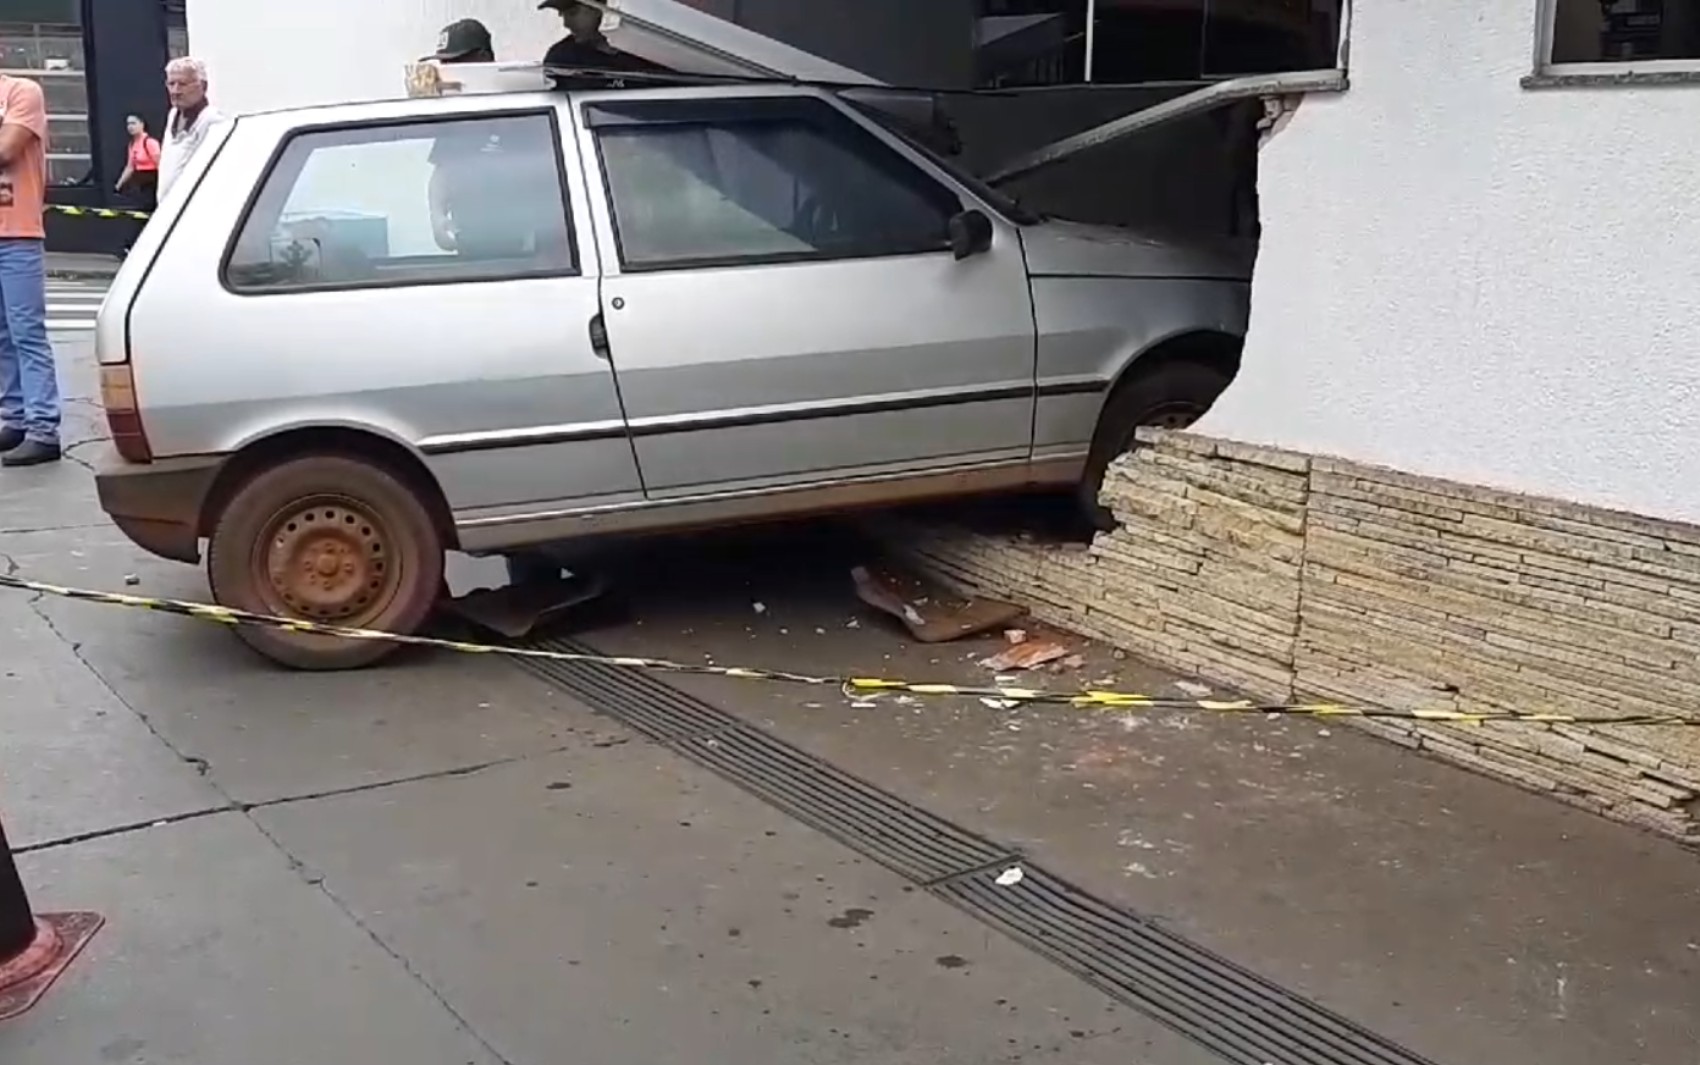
x=330 y=539
x=1171 y=395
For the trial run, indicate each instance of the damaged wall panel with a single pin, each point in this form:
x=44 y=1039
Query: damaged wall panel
x=1287 y=575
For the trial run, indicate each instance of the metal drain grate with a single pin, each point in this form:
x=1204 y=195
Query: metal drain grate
x=638 y=699
x=902 y=837
x=1238 y=1015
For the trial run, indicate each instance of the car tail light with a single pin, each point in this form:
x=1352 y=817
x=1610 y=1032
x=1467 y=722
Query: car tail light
x=118 y=396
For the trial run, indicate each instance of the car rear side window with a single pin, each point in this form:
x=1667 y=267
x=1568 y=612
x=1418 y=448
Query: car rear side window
x=418 y=203
x=794 y=181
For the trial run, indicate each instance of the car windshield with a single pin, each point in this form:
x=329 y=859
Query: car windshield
x=1003 y=202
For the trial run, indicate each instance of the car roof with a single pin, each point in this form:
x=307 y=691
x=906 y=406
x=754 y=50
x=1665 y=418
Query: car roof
x=461 y=103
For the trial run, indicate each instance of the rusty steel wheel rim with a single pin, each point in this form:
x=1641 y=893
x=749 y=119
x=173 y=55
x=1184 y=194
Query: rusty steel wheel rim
x=330 y=560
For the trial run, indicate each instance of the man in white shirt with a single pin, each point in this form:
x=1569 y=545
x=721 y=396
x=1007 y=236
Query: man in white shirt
x=190 y=118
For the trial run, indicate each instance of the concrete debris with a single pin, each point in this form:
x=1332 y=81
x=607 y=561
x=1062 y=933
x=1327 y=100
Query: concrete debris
x=1028 y=655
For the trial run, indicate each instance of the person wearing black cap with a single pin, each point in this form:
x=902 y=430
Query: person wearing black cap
x=464 y=41
x=585 y=48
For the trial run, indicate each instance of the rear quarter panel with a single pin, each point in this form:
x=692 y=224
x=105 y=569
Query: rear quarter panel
x=216 y=371
x=1092 y=330
x=203 y=377
x=112 y=338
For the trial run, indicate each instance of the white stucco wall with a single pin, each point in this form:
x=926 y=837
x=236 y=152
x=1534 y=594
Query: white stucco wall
x=266 y=55
x=1463 y=278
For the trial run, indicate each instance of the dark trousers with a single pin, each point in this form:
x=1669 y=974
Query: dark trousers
x=143 y=191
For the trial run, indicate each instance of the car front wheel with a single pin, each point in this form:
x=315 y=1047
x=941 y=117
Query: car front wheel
x=1171 y=395
x=329 y=539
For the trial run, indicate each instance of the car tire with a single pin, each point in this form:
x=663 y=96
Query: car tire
x=1172 y=394
x=332 y=539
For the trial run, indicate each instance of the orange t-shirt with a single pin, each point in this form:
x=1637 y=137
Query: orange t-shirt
x=23 y=184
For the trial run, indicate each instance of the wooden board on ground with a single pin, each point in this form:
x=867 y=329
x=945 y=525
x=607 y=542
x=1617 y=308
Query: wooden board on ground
x=931 y=614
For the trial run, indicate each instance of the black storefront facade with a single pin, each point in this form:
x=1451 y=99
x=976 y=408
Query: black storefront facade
x=97 y=61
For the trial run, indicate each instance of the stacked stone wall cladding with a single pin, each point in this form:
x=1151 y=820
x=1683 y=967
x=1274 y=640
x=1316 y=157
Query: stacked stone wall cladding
x=1290 y=576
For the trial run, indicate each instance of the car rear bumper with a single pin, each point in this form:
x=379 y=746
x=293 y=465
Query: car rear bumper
x=158 y=504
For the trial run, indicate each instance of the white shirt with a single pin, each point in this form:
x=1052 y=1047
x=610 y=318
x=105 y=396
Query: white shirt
x=179 y=145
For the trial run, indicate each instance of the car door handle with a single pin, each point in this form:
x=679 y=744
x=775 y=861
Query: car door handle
x=599 y=338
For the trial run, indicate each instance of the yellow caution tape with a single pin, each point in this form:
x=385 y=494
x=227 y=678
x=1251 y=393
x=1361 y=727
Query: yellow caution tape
x=853 y=686
x=97 y=212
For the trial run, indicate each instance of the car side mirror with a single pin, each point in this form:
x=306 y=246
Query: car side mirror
x=970 y=233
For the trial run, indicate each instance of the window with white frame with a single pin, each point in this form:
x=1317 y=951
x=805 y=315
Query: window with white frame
x=1619 y=36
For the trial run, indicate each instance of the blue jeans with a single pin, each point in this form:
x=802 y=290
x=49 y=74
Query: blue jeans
x=29 y=384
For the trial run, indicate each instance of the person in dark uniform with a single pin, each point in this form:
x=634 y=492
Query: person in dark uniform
x=463 y=41
x=584 y=48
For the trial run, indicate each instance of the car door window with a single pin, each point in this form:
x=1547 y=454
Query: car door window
x=792 y=184
x=447 y=200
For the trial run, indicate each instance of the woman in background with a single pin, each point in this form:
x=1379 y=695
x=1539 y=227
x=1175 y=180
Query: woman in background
x=141 y=170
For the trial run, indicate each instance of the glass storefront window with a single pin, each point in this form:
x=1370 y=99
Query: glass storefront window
x=176 y=28
x=51 y=53
x=69 y=136
x=67 y=92
x=1035 y=42
x=1030 y=42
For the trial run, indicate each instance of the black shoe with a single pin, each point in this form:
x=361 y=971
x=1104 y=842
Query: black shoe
x=31 y=453
x=10 y=438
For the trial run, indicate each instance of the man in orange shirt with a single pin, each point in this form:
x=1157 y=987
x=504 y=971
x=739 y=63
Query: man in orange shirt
x=29 y=382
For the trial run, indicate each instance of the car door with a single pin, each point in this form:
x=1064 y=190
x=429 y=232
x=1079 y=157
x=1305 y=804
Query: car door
x=348 y=307
x=782 y=303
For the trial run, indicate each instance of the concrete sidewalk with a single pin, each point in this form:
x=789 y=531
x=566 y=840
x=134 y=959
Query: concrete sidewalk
x=1468 y=920
x=442 y=862
x=447 y=862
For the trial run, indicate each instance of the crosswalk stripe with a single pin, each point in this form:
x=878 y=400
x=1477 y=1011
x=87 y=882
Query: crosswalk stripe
x=72 y=305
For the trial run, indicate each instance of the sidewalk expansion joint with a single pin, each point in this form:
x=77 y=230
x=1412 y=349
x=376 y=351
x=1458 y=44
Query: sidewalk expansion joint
x=317 y=883
x=126 y=829
x=449 y=773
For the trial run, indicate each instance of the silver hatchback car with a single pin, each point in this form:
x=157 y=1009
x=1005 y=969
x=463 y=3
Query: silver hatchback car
x=359 y=336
